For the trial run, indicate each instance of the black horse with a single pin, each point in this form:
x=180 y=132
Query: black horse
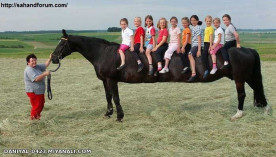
x=245 y=67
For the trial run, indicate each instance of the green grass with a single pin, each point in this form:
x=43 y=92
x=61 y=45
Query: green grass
x=161 y=119
x=264 y=43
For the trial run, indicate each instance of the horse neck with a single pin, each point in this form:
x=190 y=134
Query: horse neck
x=87 y=47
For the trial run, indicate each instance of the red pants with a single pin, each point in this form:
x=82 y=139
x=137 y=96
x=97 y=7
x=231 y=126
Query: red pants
x=37 y=102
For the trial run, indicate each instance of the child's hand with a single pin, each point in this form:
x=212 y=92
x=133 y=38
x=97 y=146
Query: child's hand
x=198 y=54
x=238 y=46
x=131 y=48
x=154 y=49
x=178 y=50
x=182 y=50
x=141 y=50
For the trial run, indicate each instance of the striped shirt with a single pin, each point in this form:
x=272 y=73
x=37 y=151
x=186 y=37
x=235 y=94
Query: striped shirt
x=196 y=31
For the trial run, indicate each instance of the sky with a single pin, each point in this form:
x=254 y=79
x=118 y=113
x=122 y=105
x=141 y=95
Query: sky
x=101 y=14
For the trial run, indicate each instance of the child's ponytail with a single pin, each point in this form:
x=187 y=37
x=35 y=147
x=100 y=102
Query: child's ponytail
x=199 y=23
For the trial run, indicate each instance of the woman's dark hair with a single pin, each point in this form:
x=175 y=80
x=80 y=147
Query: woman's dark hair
x=174 y=18
x=196 y=17
x=148 y=17
x=226 y=15
x=29 y=57
x=125 y=20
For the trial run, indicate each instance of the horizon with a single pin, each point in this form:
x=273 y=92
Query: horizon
x=99 y=15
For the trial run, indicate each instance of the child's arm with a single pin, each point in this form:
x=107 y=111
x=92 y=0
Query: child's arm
x=237 y=39
x=141 y=44
x=178 y=43
x=132 y=43
x=153 y=41
x=198 y=54
x=185 y=43
x=161 y=43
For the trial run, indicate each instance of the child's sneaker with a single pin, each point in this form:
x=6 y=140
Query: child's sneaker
x=164 y=70
x=185 y=70
x=140 y=67
x=213 y=71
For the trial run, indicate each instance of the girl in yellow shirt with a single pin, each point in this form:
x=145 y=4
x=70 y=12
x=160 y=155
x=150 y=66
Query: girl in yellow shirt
x=208 y=41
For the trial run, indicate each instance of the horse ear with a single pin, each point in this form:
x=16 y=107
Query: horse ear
x=65 y=35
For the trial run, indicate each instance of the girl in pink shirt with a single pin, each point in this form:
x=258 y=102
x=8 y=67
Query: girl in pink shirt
x=162 y=42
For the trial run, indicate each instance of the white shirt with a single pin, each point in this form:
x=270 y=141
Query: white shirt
x=174 y=34
x=126 y=36
x=217 y=32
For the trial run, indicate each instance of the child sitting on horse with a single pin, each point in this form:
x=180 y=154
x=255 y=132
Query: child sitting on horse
x=127 y=41
x=217 y=44
x=149 y=40
x=174 y=43
x=162 y=42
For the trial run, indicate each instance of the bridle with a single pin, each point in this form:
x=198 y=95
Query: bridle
x=49 y=91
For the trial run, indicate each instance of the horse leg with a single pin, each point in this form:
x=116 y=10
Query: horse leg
x=108 y=95
x=241 y=97
x=113 y=85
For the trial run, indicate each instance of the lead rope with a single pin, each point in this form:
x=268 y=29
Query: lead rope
x=49 y=91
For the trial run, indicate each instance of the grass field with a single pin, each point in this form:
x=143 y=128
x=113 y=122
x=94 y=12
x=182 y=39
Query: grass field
x=161 y=119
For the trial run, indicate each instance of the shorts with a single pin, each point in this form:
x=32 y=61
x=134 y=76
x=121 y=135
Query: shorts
x=150 y=46
x=123 y=47
x=193 y=51
x=213 y=52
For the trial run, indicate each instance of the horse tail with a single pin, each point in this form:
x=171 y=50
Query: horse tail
x=259 y=96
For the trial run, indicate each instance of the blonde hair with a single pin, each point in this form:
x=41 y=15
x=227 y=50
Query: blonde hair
x=138 y=18
x=166 y=22
x=216 y=19
x=208 y=17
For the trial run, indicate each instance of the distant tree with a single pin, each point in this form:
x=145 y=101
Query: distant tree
x=114 y=29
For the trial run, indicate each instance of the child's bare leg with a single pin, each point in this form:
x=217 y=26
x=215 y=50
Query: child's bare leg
x=122 y=55
x=166 y=63
x=192 y=63
x=214 y=59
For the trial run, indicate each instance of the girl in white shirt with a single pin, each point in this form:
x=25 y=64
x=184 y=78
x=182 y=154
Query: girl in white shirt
x=218 y=43
x=127 y=42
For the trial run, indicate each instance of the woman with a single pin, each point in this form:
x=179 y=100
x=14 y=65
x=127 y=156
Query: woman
x=34 y=75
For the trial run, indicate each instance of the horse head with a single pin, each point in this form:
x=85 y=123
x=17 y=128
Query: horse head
x=63 y=49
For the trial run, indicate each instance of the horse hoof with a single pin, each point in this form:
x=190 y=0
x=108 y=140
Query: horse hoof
x=267 y=110
x=107 y=117
x=238 y=115
x=119 y=120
